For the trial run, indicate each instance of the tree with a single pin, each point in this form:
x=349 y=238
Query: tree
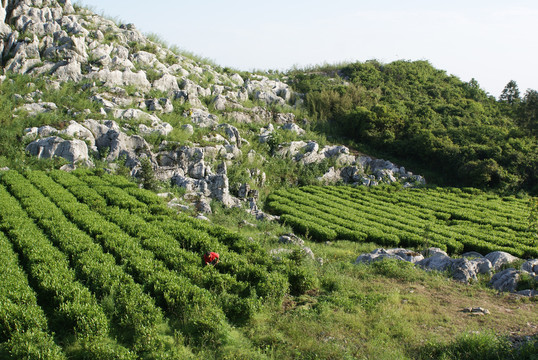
x=528 y=114
x=147 y=174
x=510 y=93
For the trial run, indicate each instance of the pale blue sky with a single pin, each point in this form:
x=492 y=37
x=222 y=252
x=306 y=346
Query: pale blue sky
x=492 y=41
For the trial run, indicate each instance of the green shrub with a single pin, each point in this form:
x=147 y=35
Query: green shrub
x=481 y=346
x=301 y=280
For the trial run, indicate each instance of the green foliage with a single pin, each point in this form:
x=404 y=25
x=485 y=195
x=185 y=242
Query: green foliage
x=147 y=174
x=301 y=280
x=527 y=281
x=93 y=219
x=72 y=99
x=533 y=216
x=420 y=115
x=447 y=218
x=510 y=93
x=480 y=346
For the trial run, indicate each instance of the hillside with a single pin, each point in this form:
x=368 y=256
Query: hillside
x=97 y=119
x=422 y=116
x=94 y=266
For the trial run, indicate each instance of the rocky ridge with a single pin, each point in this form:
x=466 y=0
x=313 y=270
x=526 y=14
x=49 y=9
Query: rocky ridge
x=467 y=267
x=134 y=82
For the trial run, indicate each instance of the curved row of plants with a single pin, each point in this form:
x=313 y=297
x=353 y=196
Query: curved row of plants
x=22 y=321
x=241 y=257
x=481 y=224
x=453 y=220
x=179 y=252
x=193 y=310
x=136 y=267
x=75 y=314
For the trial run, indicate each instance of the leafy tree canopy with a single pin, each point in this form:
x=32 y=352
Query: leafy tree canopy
x=419 y=114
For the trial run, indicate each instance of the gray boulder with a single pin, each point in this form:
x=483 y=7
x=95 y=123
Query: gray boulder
x=43 y=131
x=528 y=293
x=203 y=118
x=308 y=253
x=463 y=270
x=505 y=280
x=71 y=150
x=160 y=128
x=530 y=266
x=500 y=258
x=107 y=104
x=110 y=139
x=265 y=133
x=135 y=114
x=80 y=132
x=219 y=189
x=122 y=78
x=472 y=255
x=215 y=186
x=439 y=262
x=163 y=105
x=243 y=191
x=483 y=265
x=232 y=133
x=381 y=254
x=432 y=251
x=38 y=108
x=332 y=176
x=237 y=79
x=407 y=255
x=144 y=58
x=167 y=83
x=219 y=102
x=199 y=170
x=203 y=205
x=69 y=72
x=291 y=239
x=294 y=128
x=188 y=128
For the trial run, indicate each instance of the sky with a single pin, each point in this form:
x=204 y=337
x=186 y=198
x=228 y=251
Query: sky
x=491 y=41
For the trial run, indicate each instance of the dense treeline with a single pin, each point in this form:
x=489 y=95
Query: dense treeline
x=413 y=111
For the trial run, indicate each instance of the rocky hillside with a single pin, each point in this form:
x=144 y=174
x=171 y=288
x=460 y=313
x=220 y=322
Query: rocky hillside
x=217 y=133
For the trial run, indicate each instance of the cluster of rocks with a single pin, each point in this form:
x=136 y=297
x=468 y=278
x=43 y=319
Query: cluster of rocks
x=50 y=37
x=122 y=69
x=466 y=268
x=349 y=169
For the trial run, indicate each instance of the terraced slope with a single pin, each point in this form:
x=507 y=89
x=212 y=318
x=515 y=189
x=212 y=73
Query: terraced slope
x=106 y=269
x=452 y=219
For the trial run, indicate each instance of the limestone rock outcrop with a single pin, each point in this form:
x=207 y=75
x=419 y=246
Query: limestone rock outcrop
x=466 y=268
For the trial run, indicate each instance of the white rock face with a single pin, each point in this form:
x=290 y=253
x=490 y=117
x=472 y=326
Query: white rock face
x=71 y=150
x=38 y=108
x=79 y=132
x=500 y=258
x=203 y=118
x=167 y=83
x=397 y=254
